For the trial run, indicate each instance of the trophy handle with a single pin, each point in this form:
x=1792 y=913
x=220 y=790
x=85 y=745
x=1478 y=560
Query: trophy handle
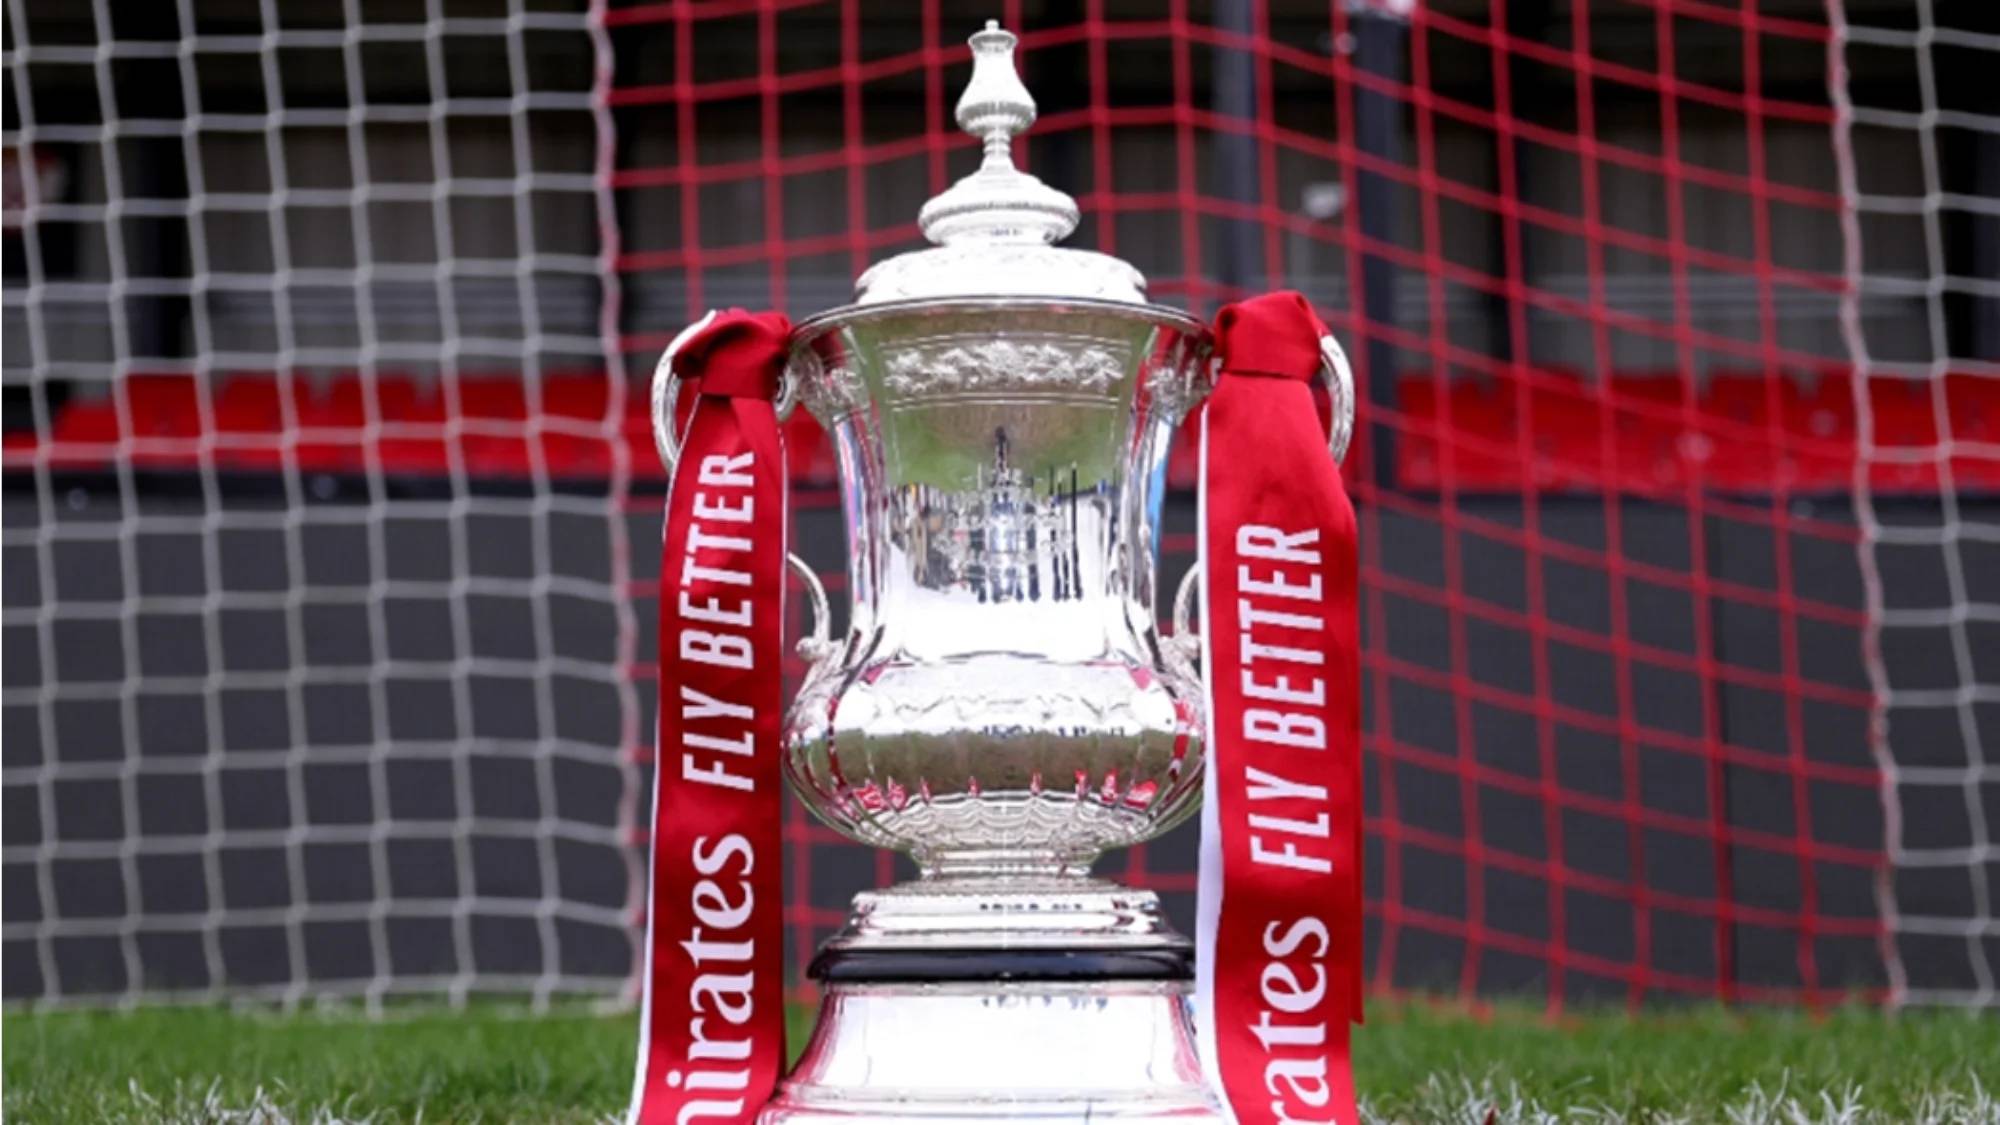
x=817 y=643
x=1184 y=605
x=666 y=396
x=1339 y=379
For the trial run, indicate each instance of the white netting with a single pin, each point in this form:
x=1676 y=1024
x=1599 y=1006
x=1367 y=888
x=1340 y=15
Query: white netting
x=317 y=680
x=1923 y=234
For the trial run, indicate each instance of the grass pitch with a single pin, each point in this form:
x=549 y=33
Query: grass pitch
x=1414 y=1063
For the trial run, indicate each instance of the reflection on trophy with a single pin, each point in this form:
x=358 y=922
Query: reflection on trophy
x=1004 y=538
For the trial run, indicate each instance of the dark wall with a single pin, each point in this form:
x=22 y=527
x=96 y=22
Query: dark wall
x=255 y=745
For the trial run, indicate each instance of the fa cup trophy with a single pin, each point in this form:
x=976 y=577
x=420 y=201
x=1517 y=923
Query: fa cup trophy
x=1002 y=706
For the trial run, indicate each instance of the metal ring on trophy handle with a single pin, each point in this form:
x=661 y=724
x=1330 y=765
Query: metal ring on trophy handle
x=1339 y=378
x=667 y=394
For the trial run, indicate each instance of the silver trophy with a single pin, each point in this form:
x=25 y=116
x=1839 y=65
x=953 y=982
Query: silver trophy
x=1002 y=706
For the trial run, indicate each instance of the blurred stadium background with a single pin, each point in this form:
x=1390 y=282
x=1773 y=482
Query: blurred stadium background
x=331 y=509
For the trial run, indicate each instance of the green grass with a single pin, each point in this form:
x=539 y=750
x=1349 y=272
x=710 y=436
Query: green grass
x=1436 y=1064
x=1415 y=1063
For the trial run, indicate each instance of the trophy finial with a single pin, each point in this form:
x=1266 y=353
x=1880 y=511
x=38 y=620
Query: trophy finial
x=999 y=202
x=995 y=106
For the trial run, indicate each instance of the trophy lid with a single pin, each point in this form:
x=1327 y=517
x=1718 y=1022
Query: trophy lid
x=995 y=230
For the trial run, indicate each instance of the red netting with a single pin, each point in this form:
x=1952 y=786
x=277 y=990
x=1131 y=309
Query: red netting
x=1587 y=257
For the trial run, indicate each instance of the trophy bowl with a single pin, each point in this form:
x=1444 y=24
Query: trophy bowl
x=1002 y=703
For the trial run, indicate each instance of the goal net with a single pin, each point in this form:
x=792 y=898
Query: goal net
x=1919 y=165
x=331 y=509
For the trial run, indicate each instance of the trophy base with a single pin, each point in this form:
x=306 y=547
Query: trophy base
x=1050 y=1000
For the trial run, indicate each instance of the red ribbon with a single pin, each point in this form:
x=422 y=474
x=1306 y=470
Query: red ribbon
x=1278 y=946
x=713 y=1020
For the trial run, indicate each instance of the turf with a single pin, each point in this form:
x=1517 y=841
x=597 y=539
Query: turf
x=1415 y=1063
